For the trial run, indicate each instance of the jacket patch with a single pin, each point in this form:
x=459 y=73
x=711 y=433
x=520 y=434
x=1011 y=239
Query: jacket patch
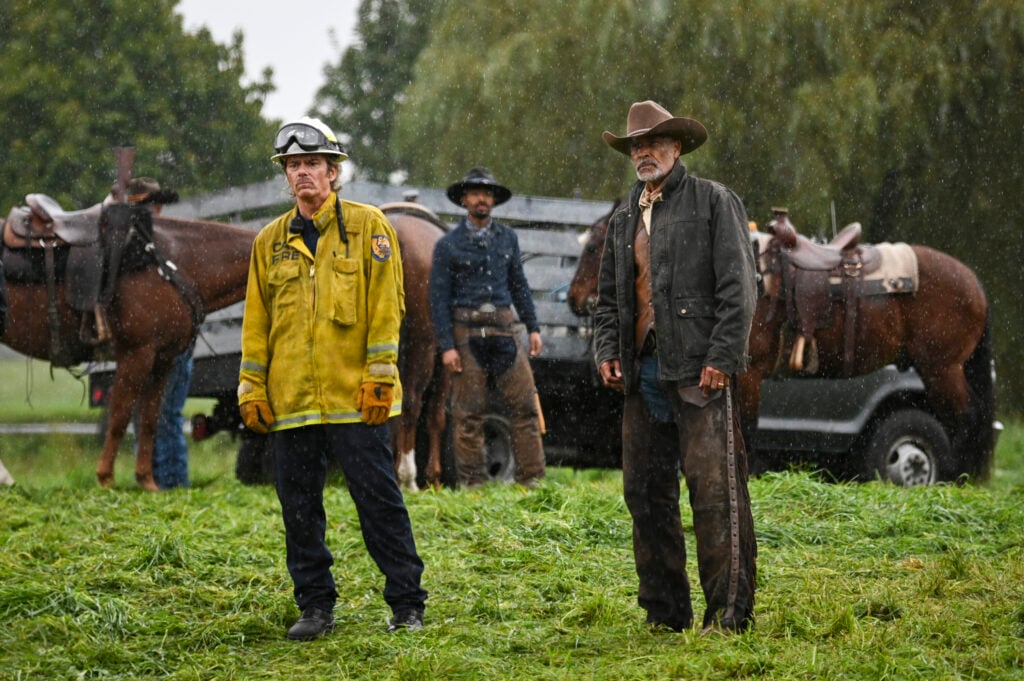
x=381 y=247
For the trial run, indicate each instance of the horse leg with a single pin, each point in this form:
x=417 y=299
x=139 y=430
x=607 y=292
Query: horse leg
x=118 y=414
x=416 y=375
x=949 y=397
x=133 y=367
x=405 y=442
x=748 y=385
x=437 y=421
x=145 y=434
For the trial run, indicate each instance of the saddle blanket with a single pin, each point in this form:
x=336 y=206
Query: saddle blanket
x=897 y=272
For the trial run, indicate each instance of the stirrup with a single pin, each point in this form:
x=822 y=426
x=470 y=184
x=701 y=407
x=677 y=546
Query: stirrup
x=102 y=335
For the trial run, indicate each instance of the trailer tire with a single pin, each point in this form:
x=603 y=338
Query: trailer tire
x=909 y=448
x=499 y=461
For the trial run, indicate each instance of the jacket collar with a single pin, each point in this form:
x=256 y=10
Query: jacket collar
x=675 y=178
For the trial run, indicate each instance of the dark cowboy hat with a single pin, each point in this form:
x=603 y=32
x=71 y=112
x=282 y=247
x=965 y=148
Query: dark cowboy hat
x=479 y=177
x=650 y=118
x=146 y=190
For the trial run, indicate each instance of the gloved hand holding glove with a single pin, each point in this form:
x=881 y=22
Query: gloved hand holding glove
x=257 y=416
x=374 y=402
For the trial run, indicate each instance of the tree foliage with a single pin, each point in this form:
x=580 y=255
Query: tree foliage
x=523 y=87
x=904 y=116
x=361 y=91
x=81 y=78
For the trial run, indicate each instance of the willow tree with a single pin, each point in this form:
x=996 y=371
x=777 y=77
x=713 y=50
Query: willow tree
x=906 y=116
x=524 y=87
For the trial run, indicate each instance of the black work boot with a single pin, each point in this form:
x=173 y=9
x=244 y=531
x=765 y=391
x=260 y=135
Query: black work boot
x=314 y=623
x=409 y=620
x=658 y=625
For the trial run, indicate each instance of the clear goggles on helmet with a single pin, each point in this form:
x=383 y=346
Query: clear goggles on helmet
x=306 y=136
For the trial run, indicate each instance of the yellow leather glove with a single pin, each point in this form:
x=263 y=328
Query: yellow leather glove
x=374 y=402
x=257 y=416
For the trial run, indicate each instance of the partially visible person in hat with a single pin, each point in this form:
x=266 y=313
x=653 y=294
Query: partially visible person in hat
x=320 y=331
x=675 y=302
x=476 y=279
x=144 y=191
x=170 y=449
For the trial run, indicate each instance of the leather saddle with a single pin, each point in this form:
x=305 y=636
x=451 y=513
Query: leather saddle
x=44 y=220
x=45 y=245
x=813 y=277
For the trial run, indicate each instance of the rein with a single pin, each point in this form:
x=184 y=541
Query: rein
x=169 y=272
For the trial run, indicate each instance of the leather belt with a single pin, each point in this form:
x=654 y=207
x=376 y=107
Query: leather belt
x=485 y=315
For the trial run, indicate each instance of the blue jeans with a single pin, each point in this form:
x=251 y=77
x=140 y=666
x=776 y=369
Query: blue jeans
x=650 y=387
x=170 y=451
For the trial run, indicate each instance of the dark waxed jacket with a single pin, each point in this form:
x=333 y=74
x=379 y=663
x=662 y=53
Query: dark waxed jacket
x=702 y=281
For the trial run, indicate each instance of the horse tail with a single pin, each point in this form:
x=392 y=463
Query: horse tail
x=980 y=438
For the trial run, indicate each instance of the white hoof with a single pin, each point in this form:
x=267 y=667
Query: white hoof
x=5 y=476
x=407 y=471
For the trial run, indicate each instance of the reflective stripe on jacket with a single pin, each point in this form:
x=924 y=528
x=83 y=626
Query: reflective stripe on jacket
x=315 y=329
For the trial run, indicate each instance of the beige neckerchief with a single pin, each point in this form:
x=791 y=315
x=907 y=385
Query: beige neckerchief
x=647 y=201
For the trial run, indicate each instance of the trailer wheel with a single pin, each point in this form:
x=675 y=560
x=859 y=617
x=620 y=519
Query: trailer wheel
x=255 y=462
x=909 y=448
x=498 y=458
x=499 y=462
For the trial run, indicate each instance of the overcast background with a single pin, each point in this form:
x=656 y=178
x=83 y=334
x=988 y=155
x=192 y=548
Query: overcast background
x=292 y=37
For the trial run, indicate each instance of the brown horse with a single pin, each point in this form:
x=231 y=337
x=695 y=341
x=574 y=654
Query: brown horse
x=941 y=330
x=582 y=296
x=151 y=322
x=425 y=386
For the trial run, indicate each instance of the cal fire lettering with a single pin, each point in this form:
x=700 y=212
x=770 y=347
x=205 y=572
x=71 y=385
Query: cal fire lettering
x=282 y=251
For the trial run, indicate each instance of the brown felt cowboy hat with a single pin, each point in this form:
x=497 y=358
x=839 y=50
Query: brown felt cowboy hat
x=146 y=190
x=651 y=118
x=478 y=177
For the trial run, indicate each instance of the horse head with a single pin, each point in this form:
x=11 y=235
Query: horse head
x=582 y=295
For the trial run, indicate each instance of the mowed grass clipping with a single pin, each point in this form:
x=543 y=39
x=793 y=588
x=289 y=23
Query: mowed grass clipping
x=855 y=581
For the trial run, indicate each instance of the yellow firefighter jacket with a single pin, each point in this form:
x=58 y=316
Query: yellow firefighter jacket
x=315 y=329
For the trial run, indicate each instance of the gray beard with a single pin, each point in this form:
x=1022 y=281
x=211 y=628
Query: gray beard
x=654 y=175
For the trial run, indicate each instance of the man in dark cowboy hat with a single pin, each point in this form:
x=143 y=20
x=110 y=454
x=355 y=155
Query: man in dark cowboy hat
x=476 y=277
x=675 y=302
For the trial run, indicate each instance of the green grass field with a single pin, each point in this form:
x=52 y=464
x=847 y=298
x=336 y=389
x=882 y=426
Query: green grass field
x=855 y=581
x=30 y=392
x=27 y=390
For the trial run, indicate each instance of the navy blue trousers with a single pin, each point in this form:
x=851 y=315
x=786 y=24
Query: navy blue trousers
x=301 y=456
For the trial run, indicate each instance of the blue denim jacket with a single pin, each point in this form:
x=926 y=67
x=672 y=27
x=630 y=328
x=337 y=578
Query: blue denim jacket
x=471 y=268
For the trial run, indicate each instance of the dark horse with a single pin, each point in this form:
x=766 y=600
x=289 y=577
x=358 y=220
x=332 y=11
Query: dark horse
x=425 y=384
x=941 y=330
x=151 y=322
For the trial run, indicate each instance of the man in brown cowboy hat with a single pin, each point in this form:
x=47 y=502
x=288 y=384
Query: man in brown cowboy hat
x=476 y=277
x=675 y=302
